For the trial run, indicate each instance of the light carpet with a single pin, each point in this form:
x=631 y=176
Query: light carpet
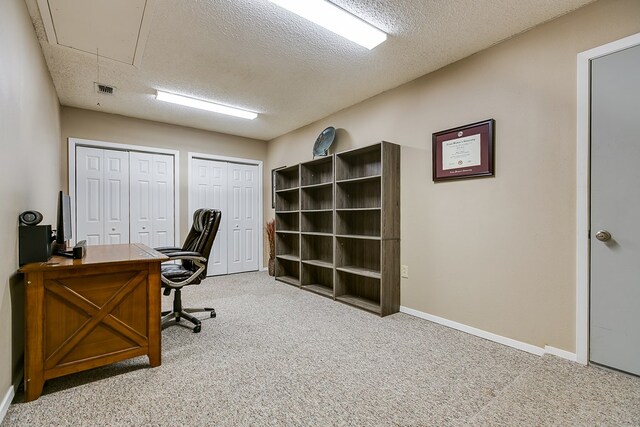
x=280 y=356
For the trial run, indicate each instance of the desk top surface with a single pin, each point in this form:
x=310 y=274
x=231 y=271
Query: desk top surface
x=100 y=255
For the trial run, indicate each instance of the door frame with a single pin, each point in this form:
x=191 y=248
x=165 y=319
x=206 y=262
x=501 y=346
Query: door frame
x=583 y=189
x=192 y=155
x=78 y=142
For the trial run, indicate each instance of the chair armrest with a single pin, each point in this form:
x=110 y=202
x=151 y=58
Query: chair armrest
x=167 y=249
x=192 y=256
x=195 y=257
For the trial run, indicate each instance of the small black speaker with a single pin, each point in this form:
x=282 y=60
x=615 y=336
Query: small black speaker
x=30 y=218
x=35 y=243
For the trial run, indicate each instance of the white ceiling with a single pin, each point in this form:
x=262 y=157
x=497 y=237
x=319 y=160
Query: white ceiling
x=254 y=55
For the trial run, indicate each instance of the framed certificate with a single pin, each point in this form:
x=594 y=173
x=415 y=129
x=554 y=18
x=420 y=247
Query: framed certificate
x=464 y=152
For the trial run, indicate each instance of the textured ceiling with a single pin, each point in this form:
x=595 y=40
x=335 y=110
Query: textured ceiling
x=254 y=55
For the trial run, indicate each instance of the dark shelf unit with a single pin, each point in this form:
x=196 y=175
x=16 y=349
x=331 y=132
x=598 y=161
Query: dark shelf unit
x=367 y=260
x=338 y=227
x=317 y=207
x=288 y=225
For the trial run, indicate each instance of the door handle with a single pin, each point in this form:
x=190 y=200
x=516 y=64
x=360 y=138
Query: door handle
x=603 y=235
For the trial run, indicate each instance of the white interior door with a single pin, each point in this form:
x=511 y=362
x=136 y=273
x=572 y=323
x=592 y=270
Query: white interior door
x=615 y=211
x=233 y=188
x=116 y=208
x=152 y=204
x=102 y=196
x=209 y=190
x=243 y=225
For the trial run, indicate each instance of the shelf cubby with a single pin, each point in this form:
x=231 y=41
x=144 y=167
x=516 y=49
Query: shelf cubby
x=358 y=222
x=287 y=178
x=317 y=221
x=358 y=194
x=359 y=163
x=317 y=247
x=318 y=279
x=318 y=171
x=288 y=201
x=360 y=291
x=287 y=243
x=288 y=271
x=318 y=197
x=288 y=221
x=360 y=256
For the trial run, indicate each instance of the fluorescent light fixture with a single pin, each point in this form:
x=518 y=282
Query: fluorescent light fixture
x=204 y=105
x=333 y=18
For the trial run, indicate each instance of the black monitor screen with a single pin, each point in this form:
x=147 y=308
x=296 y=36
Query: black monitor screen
x=63 y=232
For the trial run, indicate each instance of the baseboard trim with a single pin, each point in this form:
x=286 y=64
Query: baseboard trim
x=564 y=354
x=9 y=395
x=538 y=351
x=8 y=398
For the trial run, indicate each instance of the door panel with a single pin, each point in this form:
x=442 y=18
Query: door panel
x=209 y=183
x=116 y=176
x=615 y=207
x=141 y=203
x=89 y=190
x=163 y=203
x=152 y=199
x=243 y=196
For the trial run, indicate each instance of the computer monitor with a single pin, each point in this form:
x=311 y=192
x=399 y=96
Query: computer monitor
x=63 y=230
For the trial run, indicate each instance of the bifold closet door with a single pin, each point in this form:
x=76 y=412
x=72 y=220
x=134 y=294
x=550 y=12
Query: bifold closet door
x=152 y=199
x=233 y=189
x=209 y=190
x=102 y=196
x=243 y=225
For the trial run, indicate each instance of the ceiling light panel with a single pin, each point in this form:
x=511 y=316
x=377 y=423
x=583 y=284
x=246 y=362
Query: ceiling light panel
x=205 y=105
x=333 y=18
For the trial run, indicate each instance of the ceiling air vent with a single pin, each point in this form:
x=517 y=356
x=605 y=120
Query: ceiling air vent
x=104 y=89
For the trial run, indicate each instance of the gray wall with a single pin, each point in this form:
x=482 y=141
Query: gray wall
x=497 y=253
x=33 y=168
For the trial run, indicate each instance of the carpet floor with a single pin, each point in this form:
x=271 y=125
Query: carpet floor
x=279 y=356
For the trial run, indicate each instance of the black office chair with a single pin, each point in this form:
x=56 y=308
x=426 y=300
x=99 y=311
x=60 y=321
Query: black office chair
x=192 y=268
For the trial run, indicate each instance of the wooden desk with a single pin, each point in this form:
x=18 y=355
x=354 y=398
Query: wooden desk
x=85 y=313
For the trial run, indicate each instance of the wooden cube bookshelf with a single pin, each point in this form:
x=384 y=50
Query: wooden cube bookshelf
x=338 y=227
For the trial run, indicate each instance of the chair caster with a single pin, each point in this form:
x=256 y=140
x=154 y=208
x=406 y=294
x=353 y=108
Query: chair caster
x=213 y=314
x=178 y=320
x=196 y=329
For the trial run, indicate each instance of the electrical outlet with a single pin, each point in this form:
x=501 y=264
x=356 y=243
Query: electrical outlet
x=404 y=271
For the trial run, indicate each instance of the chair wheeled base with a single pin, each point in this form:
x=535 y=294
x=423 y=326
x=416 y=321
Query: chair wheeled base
x=178 y=313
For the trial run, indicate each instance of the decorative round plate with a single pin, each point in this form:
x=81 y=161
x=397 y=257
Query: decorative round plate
x=324 y=141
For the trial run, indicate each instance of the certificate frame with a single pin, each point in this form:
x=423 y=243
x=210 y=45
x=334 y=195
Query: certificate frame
x=464 y=151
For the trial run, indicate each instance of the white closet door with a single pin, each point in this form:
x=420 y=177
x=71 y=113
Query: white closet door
x=209 y=190
x=116 y=200
x=163 y=203
x=152 y=204
x=90 y=195
x=102 y=196
x=243 y=223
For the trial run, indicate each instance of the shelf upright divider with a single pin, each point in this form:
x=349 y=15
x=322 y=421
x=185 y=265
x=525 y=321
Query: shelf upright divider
x=317 y=225
x=288 y=225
